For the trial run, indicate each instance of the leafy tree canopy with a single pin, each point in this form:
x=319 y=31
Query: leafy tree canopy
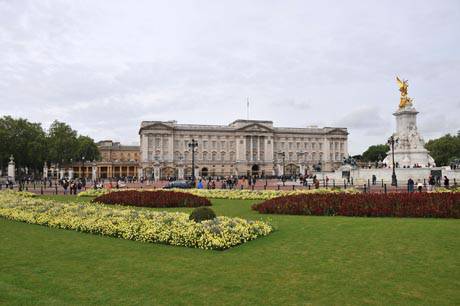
x=32 y=146
x=375 y=153
x=444 y=149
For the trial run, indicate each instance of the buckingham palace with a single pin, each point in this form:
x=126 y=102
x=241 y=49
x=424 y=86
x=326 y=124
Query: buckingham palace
x=244 y=147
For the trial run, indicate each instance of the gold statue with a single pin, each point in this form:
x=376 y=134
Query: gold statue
x=405 y=100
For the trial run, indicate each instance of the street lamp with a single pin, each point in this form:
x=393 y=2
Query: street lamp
x=283 y=155
x=391 y=142
x=83 y=167
x=192 y=145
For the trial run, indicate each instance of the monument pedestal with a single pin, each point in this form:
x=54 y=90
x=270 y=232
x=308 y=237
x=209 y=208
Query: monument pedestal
x=409 y=147
x=11 y=169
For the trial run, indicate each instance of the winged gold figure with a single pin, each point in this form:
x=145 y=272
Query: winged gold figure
x=404 y=100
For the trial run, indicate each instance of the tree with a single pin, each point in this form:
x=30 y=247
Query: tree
x=87 y=149
x=375 y=153
x=444 y=149
x=62 y=143
x=24 y=140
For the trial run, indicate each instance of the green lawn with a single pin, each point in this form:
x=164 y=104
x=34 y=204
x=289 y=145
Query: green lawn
x=308 y=260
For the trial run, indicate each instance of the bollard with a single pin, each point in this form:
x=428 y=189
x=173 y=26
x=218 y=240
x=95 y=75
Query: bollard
x=41 y=189
x=34 y=185
x=333 y=183
x=382 y=183
x=309 y=186
x=293 y=187
x=385 y=188
x=252 y=187
x=365 y=188
x=55 y=188
x=352 y=182
x=278 y=187
x=265 y=187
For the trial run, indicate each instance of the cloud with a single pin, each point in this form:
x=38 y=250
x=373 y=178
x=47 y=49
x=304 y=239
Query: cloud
x=104 y=68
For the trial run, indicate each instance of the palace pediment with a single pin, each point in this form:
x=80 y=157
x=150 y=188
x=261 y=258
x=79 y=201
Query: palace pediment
x=155 y=126
x=255 y=127
x=336 y=131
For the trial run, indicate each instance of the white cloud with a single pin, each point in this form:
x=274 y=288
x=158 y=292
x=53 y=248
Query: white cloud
x=103 y=67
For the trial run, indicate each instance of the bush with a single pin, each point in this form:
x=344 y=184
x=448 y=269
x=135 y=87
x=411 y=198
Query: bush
x=438 y=205
x=139 y=224
x=201 y=214
x=159 y=198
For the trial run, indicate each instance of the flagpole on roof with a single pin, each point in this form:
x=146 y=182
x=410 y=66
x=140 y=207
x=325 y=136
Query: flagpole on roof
x=247 y=104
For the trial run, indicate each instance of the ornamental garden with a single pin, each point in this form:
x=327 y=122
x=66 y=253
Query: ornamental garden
x=195 y=246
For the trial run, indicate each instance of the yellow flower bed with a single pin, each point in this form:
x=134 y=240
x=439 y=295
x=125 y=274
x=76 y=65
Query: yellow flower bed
x=236 y=194
x=133 y=223
x=233 y=194
x=19 y=193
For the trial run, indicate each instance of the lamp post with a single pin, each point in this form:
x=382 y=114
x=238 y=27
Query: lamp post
x=192 y=145
x=83 y=167
x=283 y=155
x=391 y=142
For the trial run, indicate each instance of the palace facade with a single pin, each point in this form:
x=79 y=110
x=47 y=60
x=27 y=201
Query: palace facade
x=244 y=147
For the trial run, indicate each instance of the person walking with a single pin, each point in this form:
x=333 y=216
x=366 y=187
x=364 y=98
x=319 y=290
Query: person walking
x=446 y=182
x=410 y=185
x=431 y=182
x=419 y=186
x=374 y=179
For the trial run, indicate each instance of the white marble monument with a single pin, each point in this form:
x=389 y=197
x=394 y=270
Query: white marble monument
x=409 y=148
x=11 y=169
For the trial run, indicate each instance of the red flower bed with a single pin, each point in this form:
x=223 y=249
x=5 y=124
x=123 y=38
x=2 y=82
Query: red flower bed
x=438 y=205
x=158 y=198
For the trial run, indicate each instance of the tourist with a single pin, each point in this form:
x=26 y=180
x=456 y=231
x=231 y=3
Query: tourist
x=65 y=185
x=446 y=182
x=419 y=186
x=200 y=184
x=431 y=183
x=410 y=185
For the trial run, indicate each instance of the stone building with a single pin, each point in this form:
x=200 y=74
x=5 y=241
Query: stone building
x=244 y=147
x=117 y=160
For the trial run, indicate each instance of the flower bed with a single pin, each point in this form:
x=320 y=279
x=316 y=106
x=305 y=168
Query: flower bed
x=231 y=194
x=439 y=205
x=19 y=193
x=93 y=192
x=158 y=198
x=133 y=223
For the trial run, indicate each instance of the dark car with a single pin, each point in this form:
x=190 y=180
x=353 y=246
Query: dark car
x=178 y=184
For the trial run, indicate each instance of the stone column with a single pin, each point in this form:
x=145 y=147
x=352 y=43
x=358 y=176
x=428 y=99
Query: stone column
x=140 y=172
x=11 y=169
x=45 y=170
x=251 y=157
x=258 y=148
x=156 y=173
x=280 y=170
x=94 y=172
x=180 y=171
x=302 y=168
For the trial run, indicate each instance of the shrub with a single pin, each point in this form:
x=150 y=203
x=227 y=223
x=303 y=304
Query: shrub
x=201 y=214
x=439 y=205
x=159 y=198
x=133 y=223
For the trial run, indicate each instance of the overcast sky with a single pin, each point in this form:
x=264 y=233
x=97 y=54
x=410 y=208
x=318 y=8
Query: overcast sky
x=104 y=66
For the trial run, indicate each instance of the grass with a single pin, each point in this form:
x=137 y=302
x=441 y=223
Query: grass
x=308 y=260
